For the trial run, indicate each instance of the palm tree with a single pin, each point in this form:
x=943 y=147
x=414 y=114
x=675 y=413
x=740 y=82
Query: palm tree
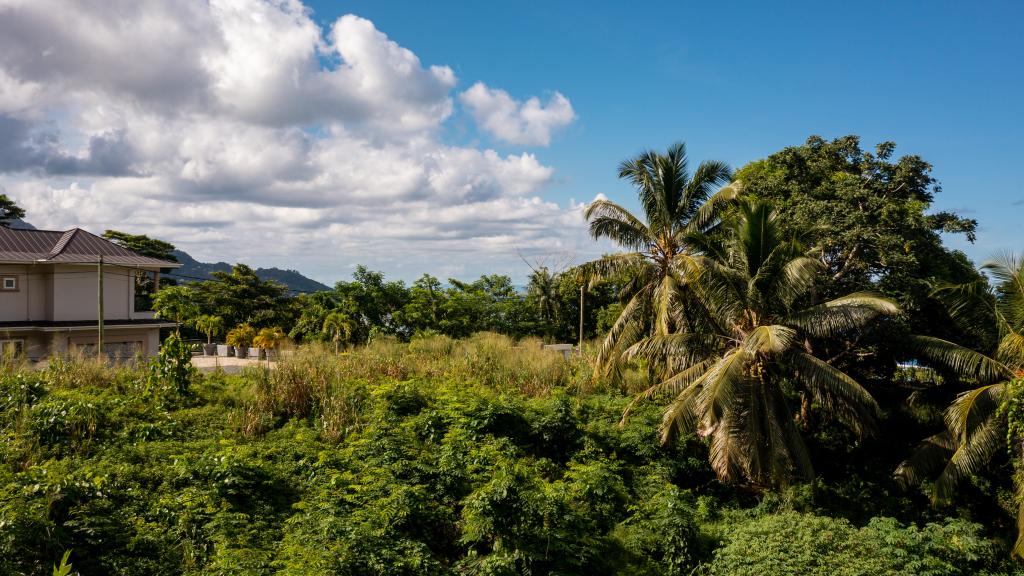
x=660 y=260
x=541 y=290
x=750 y=345
x=339 y=326
x=210 y=325
x=990 y=417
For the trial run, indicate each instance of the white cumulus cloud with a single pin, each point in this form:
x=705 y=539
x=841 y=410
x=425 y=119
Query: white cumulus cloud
x=528 y=123
x=242 y=130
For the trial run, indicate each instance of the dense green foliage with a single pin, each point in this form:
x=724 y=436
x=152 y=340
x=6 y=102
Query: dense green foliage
x=748 y=329
x=369 y=305
x=142 y=244
x=434 y=457
x=791 y=543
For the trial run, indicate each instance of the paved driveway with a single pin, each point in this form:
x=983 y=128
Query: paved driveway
x=231 y=365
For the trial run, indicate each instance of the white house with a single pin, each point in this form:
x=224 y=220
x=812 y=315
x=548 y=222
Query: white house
x=49 y=287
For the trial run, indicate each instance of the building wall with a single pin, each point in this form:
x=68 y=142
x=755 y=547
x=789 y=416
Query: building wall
x=30 y=300
x=75 y=289
x=144 y=340
x=35 y=345
x=64 y=292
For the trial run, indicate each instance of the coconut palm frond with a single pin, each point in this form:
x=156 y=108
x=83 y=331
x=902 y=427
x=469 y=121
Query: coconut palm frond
x=837 y=392
x=797 y=277
x=972 y=408
x=928 y=458
x=771 y=339
x=626 y=331
x=1011 y=349
x=684 y=349
x=700 y=189
x=970 y=456
x=966 y=303
x=612 y=266
x=681 y=386
x=1008 y=269
x=842 y=315
x=609 y=220
x=665 y=297
x=724 y=380
x=963 y=361
x=705 y=217
x=727 y=450
x=788 y=453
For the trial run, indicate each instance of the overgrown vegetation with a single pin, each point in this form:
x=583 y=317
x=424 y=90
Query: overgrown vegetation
x=438 y=456
x=805 y=313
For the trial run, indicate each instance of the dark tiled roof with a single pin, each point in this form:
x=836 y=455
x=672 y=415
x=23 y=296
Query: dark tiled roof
x=42 y=324
x=75 y=246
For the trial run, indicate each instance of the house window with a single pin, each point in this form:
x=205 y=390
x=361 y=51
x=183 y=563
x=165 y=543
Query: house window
x=9 y=283
x=145 y=287
x=11 y=348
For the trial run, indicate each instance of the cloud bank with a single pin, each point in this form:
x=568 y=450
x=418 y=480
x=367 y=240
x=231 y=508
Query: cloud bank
x=242 y=130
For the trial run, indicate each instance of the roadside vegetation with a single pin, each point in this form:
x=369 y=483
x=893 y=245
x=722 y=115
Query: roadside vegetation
x=783 y=371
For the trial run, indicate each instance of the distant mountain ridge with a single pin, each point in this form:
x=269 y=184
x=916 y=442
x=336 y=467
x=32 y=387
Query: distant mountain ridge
x=192 y=269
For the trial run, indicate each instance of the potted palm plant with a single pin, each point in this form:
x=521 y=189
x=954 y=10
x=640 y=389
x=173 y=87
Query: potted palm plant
x=241 y=337
x=211 y=326
x=268 y=340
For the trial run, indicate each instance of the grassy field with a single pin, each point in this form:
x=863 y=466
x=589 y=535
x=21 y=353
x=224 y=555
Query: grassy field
x=478 y=456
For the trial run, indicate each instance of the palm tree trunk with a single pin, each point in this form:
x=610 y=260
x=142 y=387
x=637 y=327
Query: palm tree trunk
x=805 y=410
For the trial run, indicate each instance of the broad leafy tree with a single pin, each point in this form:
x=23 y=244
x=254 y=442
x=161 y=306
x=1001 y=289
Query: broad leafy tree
x=9 y=211
x=142 y=244
x=867 y=214
x=176 y=303
x=242 y=297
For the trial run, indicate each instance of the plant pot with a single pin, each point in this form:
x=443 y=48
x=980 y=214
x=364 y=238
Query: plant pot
x=209 y=349
x=256 y=353
x=224 y=350
x=241 y=352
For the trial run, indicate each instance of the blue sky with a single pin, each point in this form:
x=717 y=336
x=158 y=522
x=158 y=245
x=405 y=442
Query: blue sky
x=458 y=137
x=739 y=80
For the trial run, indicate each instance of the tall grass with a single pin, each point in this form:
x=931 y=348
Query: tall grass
x=333 y=388
x=315 y=382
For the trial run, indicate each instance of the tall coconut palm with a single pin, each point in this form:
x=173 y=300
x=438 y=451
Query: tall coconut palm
x=541 y=290
x=749 y=347
x=660 y=257
x=990 y=417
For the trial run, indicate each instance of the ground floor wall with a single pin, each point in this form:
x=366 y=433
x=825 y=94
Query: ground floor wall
x=117 y=344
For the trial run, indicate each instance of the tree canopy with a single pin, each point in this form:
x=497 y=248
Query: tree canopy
x=9 y=211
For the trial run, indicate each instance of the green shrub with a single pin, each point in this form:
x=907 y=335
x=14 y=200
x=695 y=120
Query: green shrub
x=792 y=543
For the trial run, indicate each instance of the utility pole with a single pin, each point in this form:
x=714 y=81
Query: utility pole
x=99 y=306
x=582 y=287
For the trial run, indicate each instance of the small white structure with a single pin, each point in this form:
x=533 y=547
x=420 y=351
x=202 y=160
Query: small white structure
x=565 y=349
